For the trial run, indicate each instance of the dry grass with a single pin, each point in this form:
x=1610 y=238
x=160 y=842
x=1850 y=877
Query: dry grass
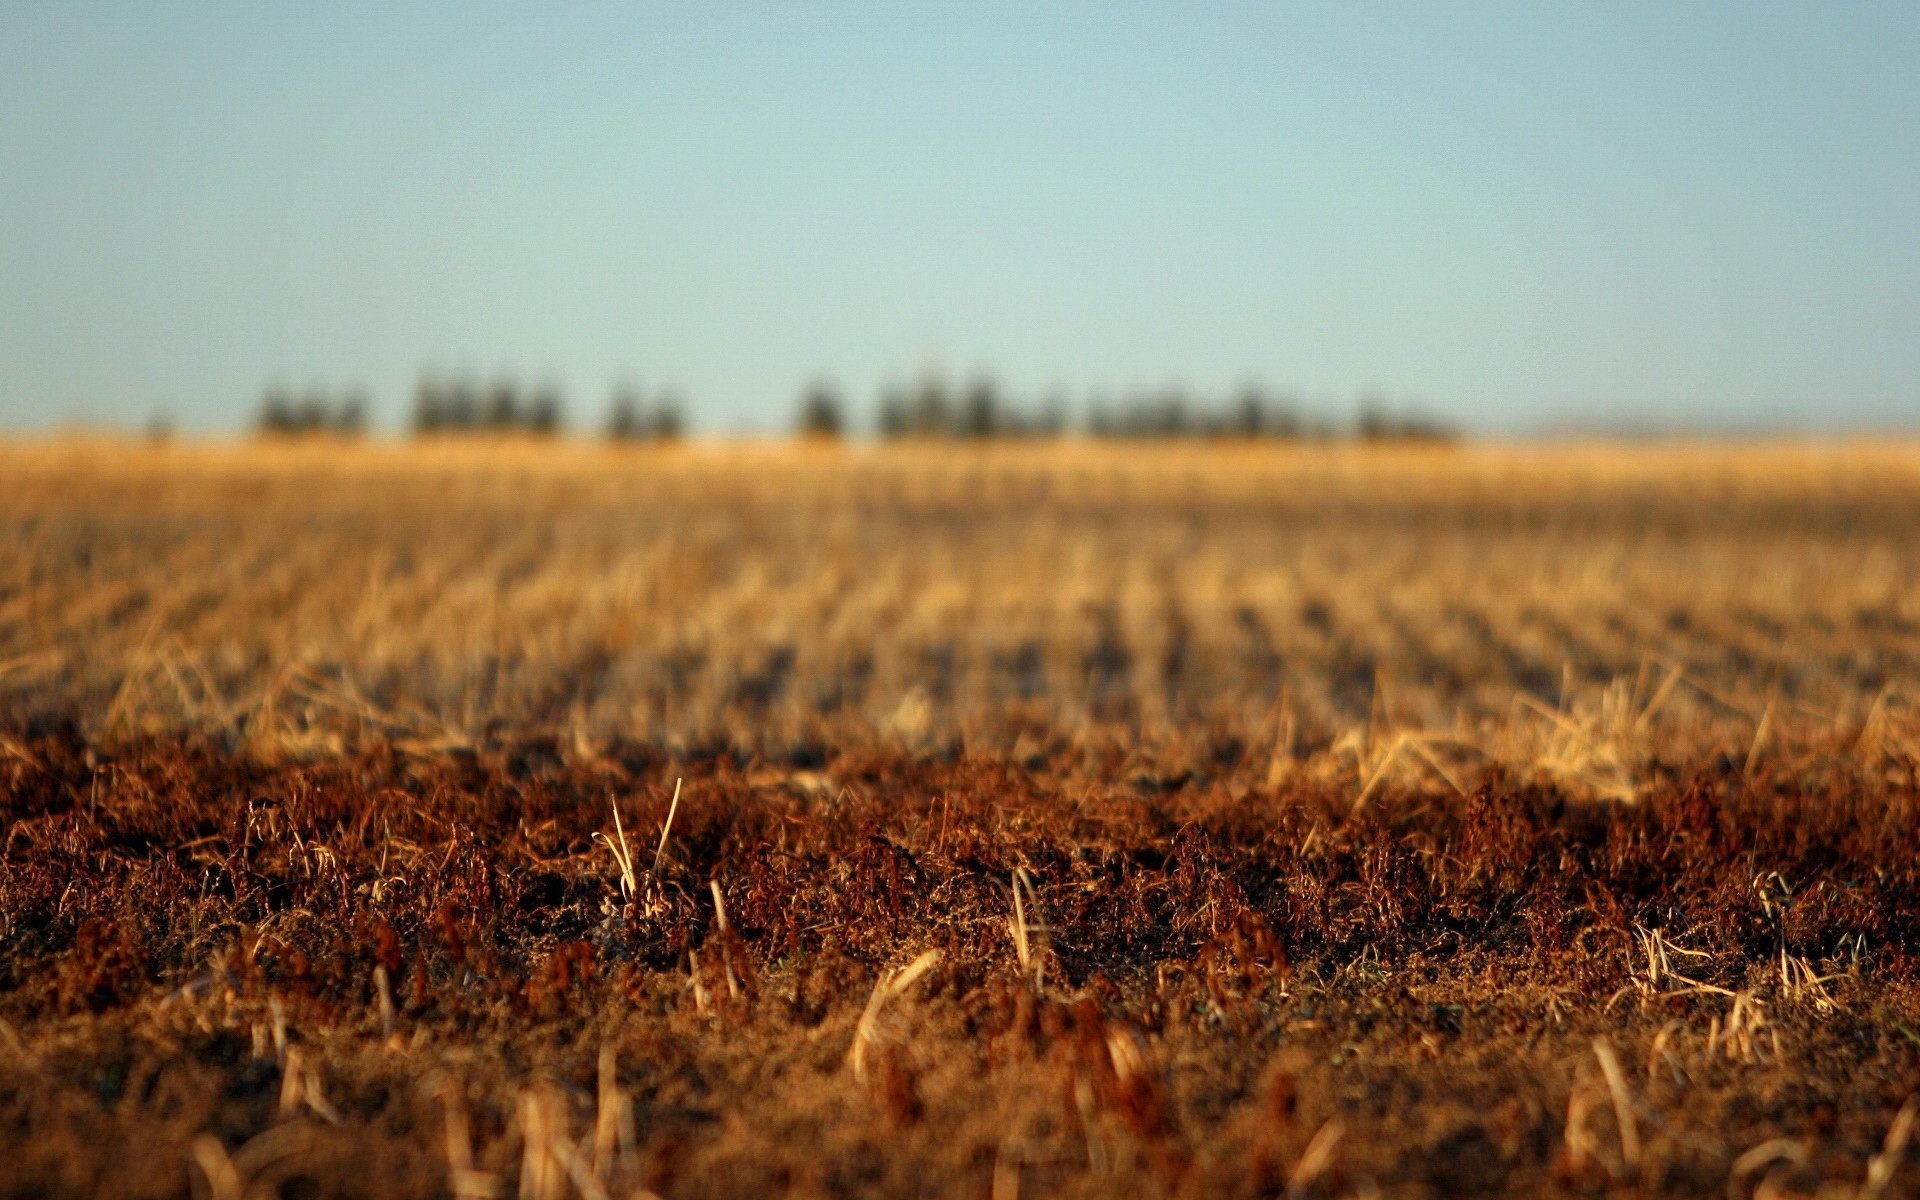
x=1081 y=820
x=1373 y=615
x=1246 y=995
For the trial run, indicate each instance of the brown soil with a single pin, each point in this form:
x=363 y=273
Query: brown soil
x=398 y=974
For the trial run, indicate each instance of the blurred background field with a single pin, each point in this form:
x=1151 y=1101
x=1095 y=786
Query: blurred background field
x=1373 y=612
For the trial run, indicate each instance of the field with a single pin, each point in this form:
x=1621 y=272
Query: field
x=492 y=819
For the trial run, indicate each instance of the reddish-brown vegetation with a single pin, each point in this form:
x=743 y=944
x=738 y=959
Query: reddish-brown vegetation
x=395 y=975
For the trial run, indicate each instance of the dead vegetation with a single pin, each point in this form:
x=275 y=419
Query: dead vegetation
x=260 y=974
x=469 y=821
x=1367 y=616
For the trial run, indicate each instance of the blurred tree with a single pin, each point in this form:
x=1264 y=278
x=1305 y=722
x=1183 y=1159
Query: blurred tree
x=461 y=411
x=276 y=412
x=501 y=411
x=668 y=421
x=1101 y=422
x=1284 y=417
x=892 y=418
x=930 y=414
x=545 y=411
x=1373 y=423
x=311 y=413
x=821 y=415
x=1171 y=415
x=1051 y=420
x=1377 y=423
x=980 y=413
x=282 y=414
x=1251 y=413
x=429 y=406
x=623 y=413
x=350 y=417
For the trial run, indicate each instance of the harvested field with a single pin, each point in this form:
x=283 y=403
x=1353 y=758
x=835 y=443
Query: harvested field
x=1050 y=820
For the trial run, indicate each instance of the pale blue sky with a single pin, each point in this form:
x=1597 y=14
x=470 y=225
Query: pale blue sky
x=1522 y=214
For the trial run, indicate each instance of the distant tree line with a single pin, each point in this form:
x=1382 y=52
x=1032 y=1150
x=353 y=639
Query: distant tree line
x=461 y=406
x=978 y=410
x=1378 y=423
x=455 y=406
x=634 y=416
x=283 y=413
x=931 y=409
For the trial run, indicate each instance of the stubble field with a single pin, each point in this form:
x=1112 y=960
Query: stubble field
x=1050 y=820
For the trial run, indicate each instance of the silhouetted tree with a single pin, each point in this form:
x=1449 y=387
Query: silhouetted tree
x=820 y=417
x=1371 y=423
x=461 y=409
x=632 y=417
x=282 y=414
x=276 y=412
x=1376 y=423
x=350 y=416
x=312 y=413
x=545 y=411
x=980 y=413
x=1172 y=415
x=1052 y=421
x=930 y=414
x=892 y=417
x=623 y=413
x=1284 y=418
x=429 y=406
x=1250 y=414
x=669 y=417
x=501 y=412
x=1101 y=421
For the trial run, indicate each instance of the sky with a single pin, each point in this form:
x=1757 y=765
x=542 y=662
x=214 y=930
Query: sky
x=1520 y=217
